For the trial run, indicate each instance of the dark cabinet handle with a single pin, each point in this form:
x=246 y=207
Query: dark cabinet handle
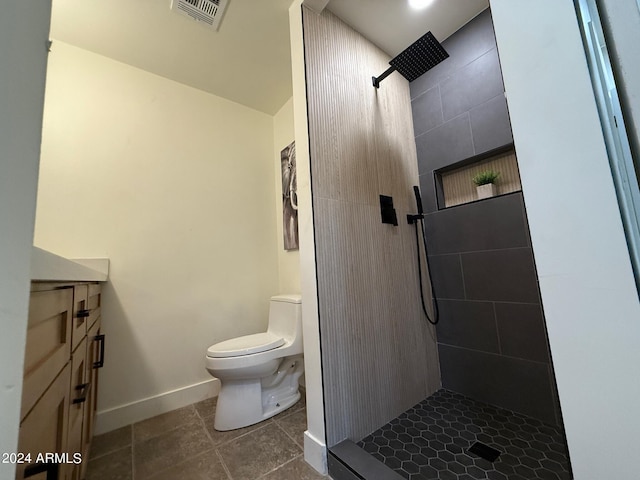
x=50 y=468
x=84 y=388
x=83 y=313
x=100 y=362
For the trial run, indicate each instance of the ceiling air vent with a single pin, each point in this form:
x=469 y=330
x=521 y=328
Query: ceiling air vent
x=207 y=12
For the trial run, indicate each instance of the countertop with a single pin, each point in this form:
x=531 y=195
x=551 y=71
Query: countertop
x=47 y=266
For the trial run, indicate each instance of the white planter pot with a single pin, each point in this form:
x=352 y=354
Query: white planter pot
x=486 y=191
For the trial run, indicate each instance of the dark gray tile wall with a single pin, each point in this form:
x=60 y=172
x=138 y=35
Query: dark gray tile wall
x=506 y=275
x=446 y=275
x=445 y=144
x=518 y=385
x=491 y=336
x=461 y=52
x=469 y=325
x=459 y=109
x=521 y=330
x=468 y=225
x=472 y=85
x=490 y=124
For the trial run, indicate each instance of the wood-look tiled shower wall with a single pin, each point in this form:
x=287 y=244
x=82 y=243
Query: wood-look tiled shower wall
x=379 y=356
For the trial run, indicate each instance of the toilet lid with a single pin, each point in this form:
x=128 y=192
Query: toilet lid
x=246 y=345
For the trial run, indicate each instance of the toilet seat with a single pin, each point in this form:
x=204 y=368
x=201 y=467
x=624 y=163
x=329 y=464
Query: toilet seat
x=246 y=345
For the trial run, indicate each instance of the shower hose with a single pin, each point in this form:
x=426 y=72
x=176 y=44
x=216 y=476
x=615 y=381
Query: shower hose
x=436 y=316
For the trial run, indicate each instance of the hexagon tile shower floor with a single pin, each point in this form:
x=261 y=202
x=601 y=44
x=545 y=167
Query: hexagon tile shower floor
x=432 y=441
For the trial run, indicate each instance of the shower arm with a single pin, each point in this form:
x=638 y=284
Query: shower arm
x=382 y=76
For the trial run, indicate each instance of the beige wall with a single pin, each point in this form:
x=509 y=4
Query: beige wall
x=379 y=355
x=176 y=187
x=288 y=261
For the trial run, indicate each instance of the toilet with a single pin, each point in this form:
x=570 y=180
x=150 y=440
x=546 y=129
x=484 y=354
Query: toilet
x=259 y=373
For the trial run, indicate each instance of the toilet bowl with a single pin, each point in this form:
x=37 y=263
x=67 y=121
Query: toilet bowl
x=259 y=373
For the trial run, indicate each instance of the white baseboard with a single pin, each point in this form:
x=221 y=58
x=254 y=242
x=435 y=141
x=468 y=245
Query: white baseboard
x=315 y=453
x=120 y=416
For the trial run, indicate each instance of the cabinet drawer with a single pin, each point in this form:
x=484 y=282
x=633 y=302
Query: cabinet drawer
x=44 y=429
x=94 y=303
x=48 y=342
x=80 y=314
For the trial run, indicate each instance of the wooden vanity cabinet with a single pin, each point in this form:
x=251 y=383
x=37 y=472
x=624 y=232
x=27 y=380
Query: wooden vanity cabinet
x=64 y=351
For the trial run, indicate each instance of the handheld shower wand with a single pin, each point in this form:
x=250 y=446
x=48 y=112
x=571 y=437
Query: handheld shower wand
x=411 y=219
x=414 y=219
x=416 y=192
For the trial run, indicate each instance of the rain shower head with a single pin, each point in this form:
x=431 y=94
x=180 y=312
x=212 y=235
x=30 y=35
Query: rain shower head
x=422 y=55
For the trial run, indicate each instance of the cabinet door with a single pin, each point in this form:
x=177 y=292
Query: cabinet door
x=44 y=429
x=80 y=388
x=80 y=314
x=94 y=303
x=48 y=342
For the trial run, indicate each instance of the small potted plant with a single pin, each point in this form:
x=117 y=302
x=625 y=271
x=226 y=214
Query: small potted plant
x=485 y=183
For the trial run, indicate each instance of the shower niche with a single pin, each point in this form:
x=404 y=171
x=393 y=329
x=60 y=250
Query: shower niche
x=454 y=184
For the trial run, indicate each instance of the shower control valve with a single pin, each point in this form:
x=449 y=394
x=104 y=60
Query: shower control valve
x=411 y=219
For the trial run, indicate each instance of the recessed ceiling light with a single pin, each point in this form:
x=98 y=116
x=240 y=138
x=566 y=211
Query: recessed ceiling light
x=419 y=4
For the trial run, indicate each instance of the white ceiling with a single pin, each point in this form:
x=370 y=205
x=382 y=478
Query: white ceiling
x=392 y=25
x=248 y=59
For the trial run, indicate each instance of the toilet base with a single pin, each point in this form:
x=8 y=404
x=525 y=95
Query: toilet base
x=246 y=402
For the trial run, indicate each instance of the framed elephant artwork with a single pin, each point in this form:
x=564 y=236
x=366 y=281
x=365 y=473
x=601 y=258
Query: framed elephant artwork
x=289 y=197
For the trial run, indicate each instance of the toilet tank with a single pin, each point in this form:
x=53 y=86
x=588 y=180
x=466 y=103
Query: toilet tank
x=285 y=317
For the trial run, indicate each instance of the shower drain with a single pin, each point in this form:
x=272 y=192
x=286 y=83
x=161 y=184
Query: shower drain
x=484 y=451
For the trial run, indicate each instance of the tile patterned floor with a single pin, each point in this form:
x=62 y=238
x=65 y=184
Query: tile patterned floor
x=430 y=441
x=183 y=445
